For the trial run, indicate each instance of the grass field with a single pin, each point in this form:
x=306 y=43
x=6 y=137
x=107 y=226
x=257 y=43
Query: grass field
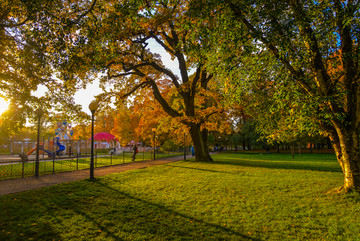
x=238 y=197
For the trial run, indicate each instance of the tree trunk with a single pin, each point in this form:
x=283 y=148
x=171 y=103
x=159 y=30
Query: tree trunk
x=345 y=142
x=199 y=139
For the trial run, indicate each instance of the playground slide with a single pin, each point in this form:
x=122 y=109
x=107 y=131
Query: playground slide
x=48 y=152
x=61 y=147
x=31 y=151
x=41 y=149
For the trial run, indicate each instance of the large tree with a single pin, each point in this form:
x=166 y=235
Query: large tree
x=118 y=39
x=25 y=58
x=317 y=44
x=21 y=65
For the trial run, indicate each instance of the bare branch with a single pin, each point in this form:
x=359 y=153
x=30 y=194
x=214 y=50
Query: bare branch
x=85 y=13
x=13 y=25
x=120 y=75
x=136 y=87
x=212 y=113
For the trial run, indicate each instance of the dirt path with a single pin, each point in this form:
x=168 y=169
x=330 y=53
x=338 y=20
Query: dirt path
x=29 y=183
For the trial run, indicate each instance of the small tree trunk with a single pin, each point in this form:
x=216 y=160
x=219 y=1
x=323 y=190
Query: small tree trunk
x=199 y=139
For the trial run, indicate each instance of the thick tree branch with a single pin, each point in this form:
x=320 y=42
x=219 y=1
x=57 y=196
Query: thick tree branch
x=157 y=67
x=119 y=75
x=205 y=78
x=166 y=72
x=195 y=80
x=322 y=78
x=157 y=94
x=279 y=29
x=163 y=44
x=135 y=88
x=179 y=55
x=347 y=54
x=167 y=108
x=298 y=75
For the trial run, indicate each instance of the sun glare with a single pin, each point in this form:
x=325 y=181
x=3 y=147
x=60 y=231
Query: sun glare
x=3 y=105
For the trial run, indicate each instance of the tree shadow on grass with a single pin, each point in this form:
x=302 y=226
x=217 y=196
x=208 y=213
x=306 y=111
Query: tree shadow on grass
x=324 y=166
x=145 y=219
x=197 y=169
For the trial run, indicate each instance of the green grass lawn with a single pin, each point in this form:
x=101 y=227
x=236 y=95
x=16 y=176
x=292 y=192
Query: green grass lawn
x=238 y=197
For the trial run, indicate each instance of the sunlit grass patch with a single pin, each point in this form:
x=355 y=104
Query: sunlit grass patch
x=230 y=199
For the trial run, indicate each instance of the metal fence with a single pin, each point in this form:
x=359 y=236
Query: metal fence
x=11 y=166
x=27 y=146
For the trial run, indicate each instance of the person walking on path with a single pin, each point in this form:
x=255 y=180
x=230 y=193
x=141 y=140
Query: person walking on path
x=135 y=150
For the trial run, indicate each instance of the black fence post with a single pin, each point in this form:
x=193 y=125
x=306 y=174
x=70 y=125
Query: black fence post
x=111 y=153
x=53 y=155
x=23 y=169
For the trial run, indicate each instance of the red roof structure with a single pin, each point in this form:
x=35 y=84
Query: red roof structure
x=104 y=136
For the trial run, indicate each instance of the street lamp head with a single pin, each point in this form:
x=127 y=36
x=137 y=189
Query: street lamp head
x=93 y=106
x=39 y=112
x=153 y=129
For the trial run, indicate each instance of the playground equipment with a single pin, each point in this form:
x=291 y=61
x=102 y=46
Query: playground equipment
x=63 y=132
x=50 y=153
x=61 y=147
x=110 y=140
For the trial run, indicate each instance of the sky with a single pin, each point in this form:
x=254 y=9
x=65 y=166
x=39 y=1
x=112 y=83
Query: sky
x=3 y=105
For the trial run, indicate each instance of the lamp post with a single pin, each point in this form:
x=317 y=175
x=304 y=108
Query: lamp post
x=184 y=146
x=154 y=130
x=39 y=112
x=92 y=107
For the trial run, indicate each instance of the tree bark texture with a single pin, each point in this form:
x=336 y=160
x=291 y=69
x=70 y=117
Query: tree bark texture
x=199 y=139
x=346 y=146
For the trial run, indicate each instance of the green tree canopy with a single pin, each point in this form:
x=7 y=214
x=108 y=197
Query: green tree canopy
x=312 y=44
